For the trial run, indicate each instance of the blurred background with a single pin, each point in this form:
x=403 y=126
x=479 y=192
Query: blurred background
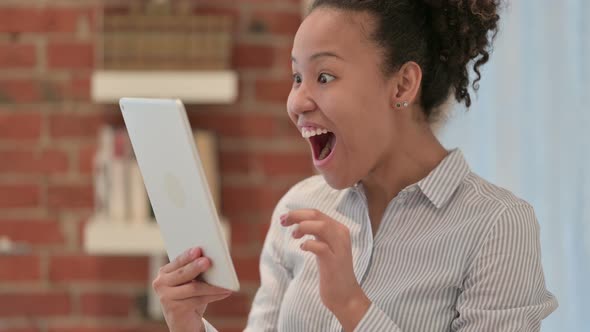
x=78 y=244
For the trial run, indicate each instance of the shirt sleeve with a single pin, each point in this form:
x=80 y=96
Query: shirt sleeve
x=504 y=289
x=376 y=320
x=274 y=279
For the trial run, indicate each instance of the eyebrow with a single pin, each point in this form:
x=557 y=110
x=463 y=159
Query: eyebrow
x=319 y=55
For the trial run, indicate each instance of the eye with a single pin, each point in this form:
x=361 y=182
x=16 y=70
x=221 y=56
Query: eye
x=297 y=79
x=325 y=78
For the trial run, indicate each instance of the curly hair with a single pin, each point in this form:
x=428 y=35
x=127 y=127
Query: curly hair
x=441 y=36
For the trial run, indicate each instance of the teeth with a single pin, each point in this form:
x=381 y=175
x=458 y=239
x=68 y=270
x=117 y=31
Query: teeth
x=309 y=133
x=326 y=150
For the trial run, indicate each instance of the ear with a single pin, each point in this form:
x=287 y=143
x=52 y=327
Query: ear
x=407 y=83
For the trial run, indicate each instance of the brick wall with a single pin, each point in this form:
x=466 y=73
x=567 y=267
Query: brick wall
x=48 y=128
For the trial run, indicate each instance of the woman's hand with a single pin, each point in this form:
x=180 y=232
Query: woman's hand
x=184 y=299
x=339 y=289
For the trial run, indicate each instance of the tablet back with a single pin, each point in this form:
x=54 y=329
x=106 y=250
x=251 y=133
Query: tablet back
x=176 y=184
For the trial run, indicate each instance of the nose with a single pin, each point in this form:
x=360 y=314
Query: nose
x=300 y=100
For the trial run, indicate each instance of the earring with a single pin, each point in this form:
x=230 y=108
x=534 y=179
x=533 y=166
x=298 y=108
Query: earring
x=404 y=104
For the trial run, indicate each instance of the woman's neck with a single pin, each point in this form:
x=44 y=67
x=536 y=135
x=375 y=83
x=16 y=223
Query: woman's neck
x=403 y=167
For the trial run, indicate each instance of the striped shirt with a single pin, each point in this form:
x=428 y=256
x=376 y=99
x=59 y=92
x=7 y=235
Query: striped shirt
x=452 y=253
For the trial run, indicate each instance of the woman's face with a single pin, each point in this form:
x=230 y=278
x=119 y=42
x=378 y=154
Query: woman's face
x=338 y=85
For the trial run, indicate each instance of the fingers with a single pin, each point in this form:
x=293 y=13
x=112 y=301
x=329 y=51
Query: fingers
x=322 y=231
x=203 y=300
x=297 y=216
x=310 y=221
x=213 y=298
x=195 y=304
x=322 y=227
x=321 y=249
x=197 y=289
x=187 y=272
x=182 y=259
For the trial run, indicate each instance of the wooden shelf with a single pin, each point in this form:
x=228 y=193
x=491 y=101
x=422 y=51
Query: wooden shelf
x=106 y=237
x=198 y=87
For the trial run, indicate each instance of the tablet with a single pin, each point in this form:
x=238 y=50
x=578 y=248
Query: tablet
x=176 y=184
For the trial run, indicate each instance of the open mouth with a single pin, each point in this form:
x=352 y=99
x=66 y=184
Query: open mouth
x=323 y=145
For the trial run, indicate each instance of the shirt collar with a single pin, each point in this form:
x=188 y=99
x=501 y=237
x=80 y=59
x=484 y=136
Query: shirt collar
x=440 y=184
x=445 y=178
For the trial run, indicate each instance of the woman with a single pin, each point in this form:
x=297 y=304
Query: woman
x=396 y=234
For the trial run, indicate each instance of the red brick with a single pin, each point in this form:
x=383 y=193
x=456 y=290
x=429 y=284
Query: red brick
x=72 y=55
x=267 y=163
x=81 y=328
x=98 y=268
x=247 y=269
x=289 y=129
x=115 y=9
x=236 y=125
x=20 y=329
x=19 y=196
x=81 y=230
x=249 y=199
x=237 y=304
x=19 y=268
x=27 y=19
x=20 y=91
x=17 y=56
x=210 y=8
x=248 y=233
x=240 y=233
x=86 y=159
x=258 y=217
x=252 y=56
x=70 y=125
x=110 y=327
x=20 y=126
x=37 y=232
x=282 y=60
x=280 y=23
x=103 y=304
x=286 y=163
x=261 y=230
x=275 y=91
x=53 y=161
x=76 y=89
x=49 y=90
x=70 y=196
x=41 y=303
x=235 y=162
x=231 y=2
x=33 y=161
